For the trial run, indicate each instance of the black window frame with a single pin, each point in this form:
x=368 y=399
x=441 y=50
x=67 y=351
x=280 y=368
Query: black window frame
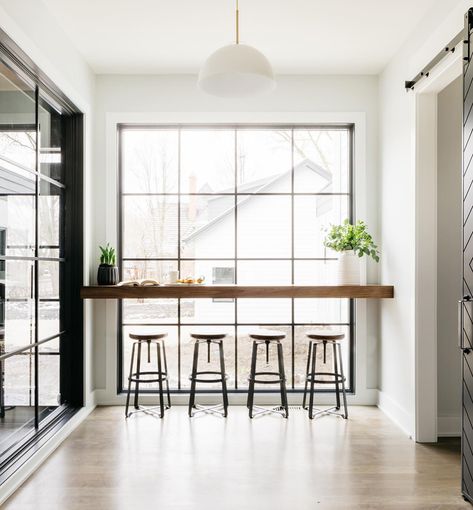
x=351 y=324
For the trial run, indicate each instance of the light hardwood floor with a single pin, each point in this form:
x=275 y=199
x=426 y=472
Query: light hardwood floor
x=268 y=463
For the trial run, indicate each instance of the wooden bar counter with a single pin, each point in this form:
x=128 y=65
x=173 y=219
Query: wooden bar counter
x=237 y=291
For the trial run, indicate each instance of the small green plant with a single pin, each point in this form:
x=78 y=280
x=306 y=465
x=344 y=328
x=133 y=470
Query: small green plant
x=108 y=255
x=352 y=237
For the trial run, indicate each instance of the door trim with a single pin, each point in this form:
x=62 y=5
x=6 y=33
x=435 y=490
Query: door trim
x=424 y=106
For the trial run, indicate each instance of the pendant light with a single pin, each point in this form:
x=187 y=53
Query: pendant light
x=236 y=70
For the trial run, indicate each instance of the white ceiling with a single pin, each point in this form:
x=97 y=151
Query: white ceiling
x=298 y=36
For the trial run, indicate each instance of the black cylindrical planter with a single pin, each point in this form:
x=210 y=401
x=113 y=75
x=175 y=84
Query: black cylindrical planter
x=107 y=275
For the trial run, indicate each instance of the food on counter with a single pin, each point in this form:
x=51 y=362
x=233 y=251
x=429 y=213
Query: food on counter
x=190 y=280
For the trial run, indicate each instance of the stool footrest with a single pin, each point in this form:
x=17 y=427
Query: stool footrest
x=274 y=381
x=336 y=377
x=136 y=377
x=208 y=372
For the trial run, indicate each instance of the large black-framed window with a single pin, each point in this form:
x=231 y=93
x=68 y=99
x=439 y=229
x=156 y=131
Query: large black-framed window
x=236 y=204
x=41 y=366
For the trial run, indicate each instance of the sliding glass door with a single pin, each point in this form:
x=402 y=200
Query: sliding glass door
x=36 y=358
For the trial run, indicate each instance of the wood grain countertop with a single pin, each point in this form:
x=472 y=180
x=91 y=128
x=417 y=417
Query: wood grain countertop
x=237 y=291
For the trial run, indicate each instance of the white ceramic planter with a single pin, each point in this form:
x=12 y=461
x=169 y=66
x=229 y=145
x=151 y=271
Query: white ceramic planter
x=348 y=268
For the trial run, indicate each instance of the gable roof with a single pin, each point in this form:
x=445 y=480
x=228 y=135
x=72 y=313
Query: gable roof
x=260 y=186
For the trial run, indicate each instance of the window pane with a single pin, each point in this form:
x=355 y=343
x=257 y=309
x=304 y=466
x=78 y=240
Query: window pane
x=214 y=271
x=148 y=269
x=17 y=223
x=264 y=226
x=207 y=161
x=19 y=305
x=187 y=352
x=49 y=296
x=312 y=215
x=150 y=159
x=319 y=310
x=207 y=311
x=264 y=272
x=207 y=226
x=245 y=344
x=264 y=161
x=18 y=395
x=171 y=343
x=264 y=311
x=301 y=351
x=51 y=126
x=321 y=161
x=50 y=219
x=49 y=377
x=315 y=272
x=150 y=311
x=150 y=226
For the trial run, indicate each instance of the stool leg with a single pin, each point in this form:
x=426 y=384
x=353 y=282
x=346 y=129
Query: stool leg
x=193 y=377
x=167 y=374
x=282 y=376
x=129 y=380
x=312 y=381
x=138 y=371
x=343 y=381
x=335 y=369
x=224 y=380
x=306 y=376
x=160 y=382
x=251 y=386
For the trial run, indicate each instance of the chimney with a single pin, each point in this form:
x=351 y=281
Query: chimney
x=192 y=207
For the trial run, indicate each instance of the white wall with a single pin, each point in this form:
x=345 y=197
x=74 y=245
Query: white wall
x=449 y=260
x=35 y=30
x=158 y=98
x=397 y=194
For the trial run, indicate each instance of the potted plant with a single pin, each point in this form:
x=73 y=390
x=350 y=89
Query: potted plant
x=352 y=242
x=107 y=273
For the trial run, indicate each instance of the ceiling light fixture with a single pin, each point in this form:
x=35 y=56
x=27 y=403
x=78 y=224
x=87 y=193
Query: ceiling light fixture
x=236 y=70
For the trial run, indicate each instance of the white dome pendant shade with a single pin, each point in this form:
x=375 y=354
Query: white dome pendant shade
x=236 y=70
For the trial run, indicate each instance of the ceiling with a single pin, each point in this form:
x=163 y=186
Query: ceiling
x=298 y=36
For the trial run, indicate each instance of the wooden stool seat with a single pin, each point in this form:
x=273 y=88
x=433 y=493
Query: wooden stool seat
x=325 y=335
x=146 y=337
x=208 y=335
x=267 y=335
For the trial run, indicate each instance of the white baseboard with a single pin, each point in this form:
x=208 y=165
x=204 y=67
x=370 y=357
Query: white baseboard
x=25 y=471
x=449 y=426
x=395 y=413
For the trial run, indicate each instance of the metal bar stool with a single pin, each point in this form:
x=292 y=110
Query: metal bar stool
x=325 y=337
x=160 y=376
x=267 y=337
x=208 y=338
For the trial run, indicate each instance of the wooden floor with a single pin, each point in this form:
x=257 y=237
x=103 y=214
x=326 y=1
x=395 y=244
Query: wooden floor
x=268 y=463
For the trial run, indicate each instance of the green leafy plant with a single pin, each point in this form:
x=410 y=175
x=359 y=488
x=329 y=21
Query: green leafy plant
x=352 y=237
x=108 y=255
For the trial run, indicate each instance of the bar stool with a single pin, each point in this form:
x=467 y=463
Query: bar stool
x=325 y=337
x=267 y=337
x=158 y=375
x=208 y=338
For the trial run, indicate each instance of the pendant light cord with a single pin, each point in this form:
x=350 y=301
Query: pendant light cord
x=237 y=20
